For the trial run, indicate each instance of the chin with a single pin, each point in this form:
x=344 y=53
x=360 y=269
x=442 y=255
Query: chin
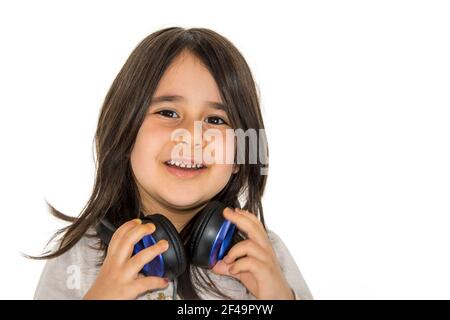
x=181 y=199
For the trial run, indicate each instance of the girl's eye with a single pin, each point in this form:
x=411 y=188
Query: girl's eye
x=215 y=120
x=167 y=113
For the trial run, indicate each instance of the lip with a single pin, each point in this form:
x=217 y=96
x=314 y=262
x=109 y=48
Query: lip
x=183 y=173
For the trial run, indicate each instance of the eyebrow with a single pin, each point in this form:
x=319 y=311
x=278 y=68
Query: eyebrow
x=176 y=98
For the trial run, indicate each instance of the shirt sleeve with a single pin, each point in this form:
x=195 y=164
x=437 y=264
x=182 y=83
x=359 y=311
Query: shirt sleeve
x=68 y=276
x=55 y=282
x=290 y=268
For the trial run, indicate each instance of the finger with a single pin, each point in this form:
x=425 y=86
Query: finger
x=142 y=285
x=251 y=216
x=138 y=261
x=123 y=229
x=249 y=264
x=125 y=247
x=245 y=224
x=247 y=248
x=221 y=268
x=254 y=218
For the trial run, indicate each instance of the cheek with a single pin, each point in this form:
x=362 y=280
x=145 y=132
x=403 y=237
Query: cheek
x=221 y=174
x=147 y=150
x=220 y=148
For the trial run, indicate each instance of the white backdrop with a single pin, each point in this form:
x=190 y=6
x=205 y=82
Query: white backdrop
x=355 y=96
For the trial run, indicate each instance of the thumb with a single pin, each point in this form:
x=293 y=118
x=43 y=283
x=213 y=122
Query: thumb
x=222 y=268
x=150 y=283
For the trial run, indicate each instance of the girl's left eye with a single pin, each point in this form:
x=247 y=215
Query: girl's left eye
x=215 y=120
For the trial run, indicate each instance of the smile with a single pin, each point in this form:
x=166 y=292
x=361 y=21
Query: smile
x=184 y=168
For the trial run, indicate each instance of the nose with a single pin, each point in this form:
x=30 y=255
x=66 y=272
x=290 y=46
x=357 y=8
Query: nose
x=190 y=134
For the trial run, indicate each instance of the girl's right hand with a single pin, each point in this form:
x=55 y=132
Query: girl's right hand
x=119 y=276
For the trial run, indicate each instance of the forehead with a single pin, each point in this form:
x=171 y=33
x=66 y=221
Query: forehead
x=187 y=76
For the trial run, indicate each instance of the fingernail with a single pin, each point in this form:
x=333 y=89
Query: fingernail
x=138 y=221
x=166 y=280
x=229 y=210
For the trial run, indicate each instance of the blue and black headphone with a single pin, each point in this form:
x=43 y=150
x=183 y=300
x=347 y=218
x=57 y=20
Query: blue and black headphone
x=210 y=241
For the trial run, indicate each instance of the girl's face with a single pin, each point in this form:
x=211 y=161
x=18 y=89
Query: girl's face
x=159 y=184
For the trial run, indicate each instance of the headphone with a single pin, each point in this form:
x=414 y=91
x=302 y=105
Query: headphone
x=210 y=241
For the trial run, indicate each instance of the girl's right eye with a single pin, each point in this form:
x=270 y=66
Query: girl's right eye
x=167 y=113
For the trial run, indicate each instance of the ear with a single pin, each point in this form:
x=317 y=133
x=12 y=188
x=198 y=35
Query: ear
x=236 y=168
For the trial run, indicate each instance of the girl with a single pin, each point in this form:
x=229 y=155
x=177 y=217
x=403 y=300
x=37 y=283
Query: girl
x=172 y=80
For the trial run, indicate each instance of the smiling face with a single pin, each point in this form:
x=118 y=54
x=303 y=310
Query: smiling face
x=186 y=96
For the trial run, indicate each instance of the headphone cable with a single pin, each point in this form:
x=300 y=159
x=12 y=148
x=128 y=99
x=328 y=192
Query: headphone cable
x=175 y=285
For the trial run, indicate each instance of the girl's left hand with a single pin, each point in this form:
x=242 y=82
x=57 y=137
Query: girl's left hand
x=253 y=261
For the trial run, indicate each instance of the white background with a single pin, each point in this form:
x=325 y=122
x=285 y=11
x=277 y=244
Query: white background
x=356 y=100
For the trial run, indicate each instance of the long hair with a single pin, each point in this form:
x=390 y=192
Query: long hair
x=115 y=194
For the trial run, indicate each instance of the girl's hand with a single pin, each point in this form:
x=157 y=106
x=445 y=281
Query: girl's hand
x=253 y=261
x=119 y=276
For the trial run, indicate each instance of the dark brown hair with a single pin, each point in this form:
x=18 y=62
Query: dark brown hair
x=115 y=194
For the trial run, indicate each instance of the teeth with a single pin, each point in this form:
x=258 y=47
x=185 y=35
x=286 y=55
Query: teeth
x=185 y=165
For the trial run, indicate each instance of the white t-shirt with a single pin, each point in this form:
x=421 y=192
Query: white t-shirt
x=70 y=275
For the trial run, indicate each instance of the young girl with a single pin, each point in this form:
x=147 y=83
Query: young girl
x=175 y=78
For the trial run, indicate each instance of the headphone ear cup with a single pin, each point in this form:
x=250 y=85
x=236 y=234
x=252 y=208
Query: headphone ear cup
x=171 y=263
x=211 y=236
